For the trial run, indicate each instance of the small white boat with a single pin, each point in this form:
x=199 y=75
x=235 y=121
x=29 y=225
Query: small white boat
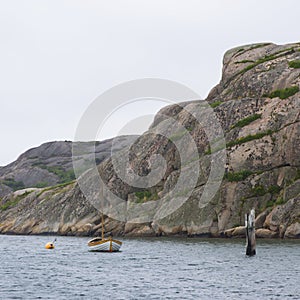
x=104 y=245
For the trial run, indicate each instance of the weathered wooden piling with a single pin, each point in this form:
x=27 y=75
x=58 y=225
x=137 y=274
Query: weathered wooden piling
x=250 y=233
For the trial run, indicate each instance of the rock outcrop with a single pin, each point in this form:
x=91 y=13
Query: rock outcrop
x=257 y=103
x=54 y=210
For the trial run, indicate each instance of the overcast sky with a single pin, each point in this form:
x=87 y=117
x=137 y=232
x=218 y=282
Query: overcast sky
x=56 y=57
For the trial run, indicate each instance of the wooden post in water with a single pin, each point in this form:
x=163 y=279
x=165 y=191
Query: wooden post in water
x=102 y=216
x=250 y=233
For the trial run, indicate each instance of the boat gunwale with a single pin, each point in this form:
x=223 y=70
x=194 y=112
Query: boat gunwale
x=102 y=241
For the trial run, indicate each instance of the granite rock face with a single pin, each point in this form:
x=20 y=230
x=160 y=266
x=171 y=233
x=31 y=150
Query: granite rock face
x=257 y=104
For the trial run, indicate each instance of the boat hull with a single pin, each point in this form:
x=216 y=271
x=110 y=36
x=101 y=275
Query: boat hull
x=105 y=245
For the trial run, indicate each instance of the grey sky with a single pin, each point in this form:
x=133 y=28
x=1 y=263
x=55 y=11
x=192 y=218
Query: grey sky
x=57 y=56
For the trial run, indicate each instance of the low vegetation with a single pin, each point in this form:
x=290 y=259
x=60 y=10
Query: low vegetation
x=64 y=176
x=244 y=61
x=41 y=184
x=260 y=190
x=215 y=149
x=249 y=138
x=267 y=58
x=237 y=176
x=49 y=188
x=247 y=120
x=215 y=104
x=146 y=195
x=284 y=93
x=273 y=202
x=274 y=189
x=294 y=64
x=280 y=201
x=13 y=201
x=242 y=50
x=297 y=175
x=15 y=185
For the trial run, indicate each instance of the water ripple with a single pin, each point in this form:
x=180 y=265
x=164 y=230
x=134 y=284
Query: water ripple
x=148 y=269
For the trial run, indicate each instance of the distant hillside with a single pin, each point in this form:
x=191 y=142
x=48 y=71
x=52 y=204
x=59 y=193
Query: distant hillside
x=50 y=164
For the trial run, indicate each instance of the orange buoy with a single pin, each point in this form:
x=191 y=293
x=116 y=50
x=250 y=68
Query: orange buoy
x=50 y=245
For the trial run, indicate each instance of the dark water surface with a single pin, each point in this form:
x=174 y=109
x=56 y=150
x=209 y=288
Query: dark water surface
x=148 y=269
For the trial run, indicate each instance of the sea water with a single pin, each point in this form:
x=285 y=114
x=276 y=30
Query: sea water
x=152 y=268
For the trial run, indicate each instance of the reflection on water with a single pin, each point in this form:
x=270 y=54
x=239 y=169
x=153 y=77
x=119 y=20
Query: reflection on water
x=148 y=269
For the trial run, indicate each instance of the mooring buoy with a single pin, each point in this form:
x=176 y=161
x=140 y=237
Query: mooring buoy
x=50 y=245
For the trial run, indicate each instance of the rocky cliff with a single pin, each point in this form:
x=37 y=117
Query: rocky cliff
x=257 y=103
